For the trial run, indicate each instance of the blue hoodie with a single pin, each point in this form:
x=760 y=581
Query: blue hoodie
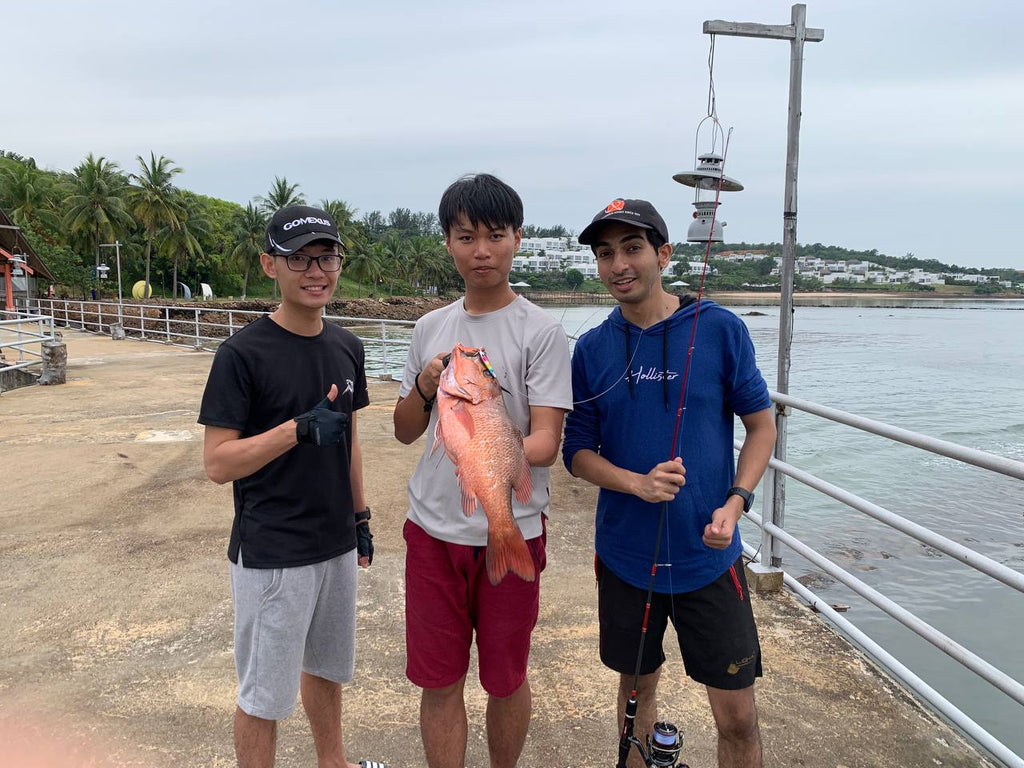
x=626 y=385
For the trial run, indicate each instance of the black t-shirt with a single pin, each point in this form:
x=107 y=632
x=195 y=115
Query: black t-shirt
x=297 y=509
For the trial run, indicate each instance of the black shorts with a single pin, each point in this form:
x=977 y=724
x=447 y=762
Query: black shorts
x=714 y=624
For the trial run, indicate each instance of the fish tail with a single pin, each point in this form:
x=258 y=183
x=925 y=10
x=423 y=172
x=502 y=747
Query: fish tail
x=507 y=551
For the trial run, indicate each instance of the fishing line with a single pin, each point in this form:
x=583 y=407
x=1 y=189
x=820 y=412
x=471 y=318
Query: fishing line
x=677 y=448
x=619 y=380
x=680 y=413
x=627 y=739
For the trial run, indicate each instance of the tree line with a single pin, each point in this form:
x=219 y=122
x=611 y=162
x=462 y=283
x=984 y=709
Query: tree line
x=171 y=236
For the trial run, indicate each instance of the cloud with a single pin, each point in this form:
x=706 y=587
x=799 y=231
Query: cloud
x=907 y=116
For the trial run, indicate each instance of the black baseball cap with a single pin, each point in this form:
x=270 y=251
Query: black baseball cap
x=638 y=213
x=297 y=225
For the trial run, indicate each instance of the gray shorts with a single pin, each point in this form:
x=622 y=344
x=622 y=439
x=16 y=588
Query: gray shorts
x=292 y=620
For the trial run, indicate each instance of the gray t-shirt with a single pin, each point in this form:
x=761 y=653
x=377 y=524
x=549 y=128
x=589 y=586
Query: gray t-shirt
x=530 y=354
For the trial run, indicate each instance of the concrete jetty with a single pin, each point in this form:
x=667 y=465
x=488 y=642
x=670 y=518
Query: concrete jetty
x=116 y=630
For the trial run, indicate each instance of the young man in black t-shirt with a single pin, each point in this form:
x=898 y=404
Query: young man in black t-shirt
x=294 y=458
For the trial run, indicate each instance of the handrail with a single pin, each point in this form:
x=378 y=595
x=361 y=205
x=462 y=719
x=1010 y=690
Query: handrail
x=927 y=536
x=204 y=327
x=950 y=647
x=901 y=672
x=774 y=533
x=20 y=327
x=1000 y=464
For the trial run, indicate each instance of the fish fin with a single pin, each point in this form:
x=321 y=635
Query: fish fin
x=438 y=437
x=468 y=500
x=507 y=551
x=523 y=484
x=465 y=419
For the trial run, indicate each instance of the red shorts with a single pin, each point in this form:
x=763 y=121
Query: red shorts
x=448 y=596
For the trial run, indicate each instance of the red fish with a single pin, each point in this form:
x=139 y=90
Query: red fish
x=487 y=451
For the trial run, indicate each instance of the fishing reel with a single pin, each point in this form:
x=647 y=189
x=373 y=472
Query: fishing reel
x=662 y=748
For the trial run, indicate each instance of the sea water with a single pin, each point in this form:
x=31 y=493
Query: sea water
x=951 y=369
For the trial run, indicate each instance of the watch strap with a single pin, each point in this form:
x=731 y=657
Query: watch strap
x=743 y=493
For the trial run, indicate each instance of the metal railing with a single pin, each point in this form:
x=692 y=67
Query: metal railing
x=386 y=342
x=21 y=338
x=774 y=536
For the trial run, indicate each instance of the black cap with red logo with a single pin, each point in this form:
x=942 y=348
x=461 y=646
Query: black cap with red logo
x=638 y=213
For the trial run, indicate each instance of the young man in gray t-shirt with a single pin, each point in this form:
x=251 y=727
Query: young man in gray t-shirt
x=448 y=593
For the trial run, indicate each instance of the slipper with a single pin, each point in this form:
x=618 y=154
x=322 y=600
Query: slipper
x=371 y=764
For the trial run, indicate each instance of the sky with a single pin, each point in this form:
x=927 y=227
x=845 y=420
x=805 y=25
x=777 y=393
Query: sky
x=911 y=138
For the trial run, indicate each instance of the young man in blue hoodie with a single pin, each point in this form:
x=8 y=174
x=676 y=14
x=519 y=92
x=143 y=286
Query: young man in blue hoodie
x=627 y=380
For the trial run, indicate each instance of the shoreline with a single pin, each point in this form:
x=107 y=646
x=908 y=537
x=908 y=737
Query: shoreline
x=916 y=295
x=411 y=308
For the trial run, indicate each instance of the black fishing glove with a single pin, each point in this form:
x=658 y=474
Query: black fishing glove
x=321 y=426
x=364 y=539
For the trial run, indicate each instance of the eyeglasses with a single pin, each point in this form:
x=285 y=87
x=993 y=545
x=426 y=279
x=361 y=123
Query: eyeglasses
x=300 y=262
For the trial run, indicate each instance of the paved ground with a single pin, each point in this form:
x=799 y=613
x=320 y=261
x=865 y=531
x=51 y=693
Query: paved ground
x=115 y=638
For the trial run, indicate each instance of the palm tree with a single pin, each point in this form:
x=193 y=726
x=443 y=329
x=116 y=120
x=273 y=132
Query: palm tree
x=424 y=260
x=392 y=253
x=365 y=264
x=345 y=217
x=156 y=201
x=281 y=195
x=248 y=227
x=28 y=194
x=95 y=210
x=183 y=240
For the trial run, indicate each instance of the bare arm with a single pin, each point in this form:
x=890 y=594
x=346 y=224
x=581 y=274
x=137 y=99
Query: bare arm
x=228 y=457
x=757 y=447
x=355 y=470
x=541 y=445
x=753 y=459
x=661 y=483
x=410 y=418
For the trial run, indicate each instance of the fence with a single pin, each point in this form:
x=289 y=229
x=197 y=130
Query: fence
x=386 y=341
x=775 y=536
x=21 y=339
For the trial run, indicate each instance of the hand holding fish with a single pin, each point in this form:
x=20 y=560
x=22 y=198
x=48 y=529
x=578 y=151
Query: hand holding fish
x=431 y=375
x=487 y=451
x=663 y=482
x=428 y=380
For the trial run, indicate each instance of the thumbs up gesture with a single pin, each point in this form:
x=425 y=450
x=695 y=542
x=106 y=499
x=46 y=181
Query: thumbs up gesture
x=322 y=426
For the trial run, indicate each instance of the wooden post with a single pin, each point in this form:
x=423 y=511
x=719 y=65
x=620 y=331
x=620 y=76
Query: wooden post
x=797 y=33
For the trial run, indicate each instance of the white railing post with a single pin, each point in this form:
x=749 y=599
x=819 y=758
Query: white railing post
x=21 y=350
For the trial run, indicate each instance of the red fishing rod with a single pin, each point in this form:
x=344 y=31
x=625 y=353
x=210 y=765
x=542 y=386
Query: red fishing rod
x=663 y=746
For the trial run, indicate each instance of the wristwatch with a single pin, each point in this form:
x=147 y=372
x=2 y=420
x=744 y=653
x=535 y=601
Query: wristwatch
x=743 y=493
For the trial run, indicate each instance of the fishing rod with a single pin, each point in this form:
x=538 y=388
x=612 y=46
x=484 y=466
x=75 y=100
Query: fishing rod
x=664 y=744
